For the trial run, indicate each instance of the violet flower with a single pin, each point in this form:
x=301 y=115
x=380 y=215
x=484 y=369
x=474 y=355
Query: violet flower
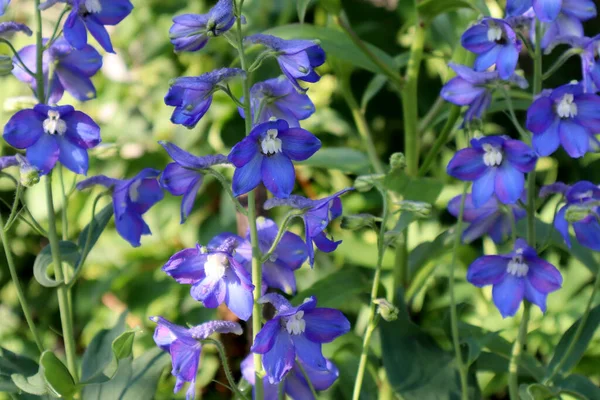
x=93 y=16
x=266 y=155
x=564 y=116
x=190 y=32
x=184 y=345
x=489 y=219
x=294 y=384
x=583 y=197
x=495 y=43
x=72 y=70
x=296 y=332
x=52 y=134
x=131 y=199
x=185 y=176
x=568 y=21
x=496 y=165
x=518 y=275
x=590 y=58
x=545 y=10
x=318 y=214
x=10 y=27
x=278 y=98
x=297 y=58
x=216 y=277
x=192 y=95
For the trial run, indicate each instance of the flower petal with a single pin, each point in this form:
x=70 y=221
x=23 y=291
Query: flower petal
x=131 y=227
x=73 y=157
x=264 y=341
x=509 y=183
x=238 y=298
x=279 y=360
x=278 y=275
x=535 y=296
x=487 y=59
x=508 y=295
x=507 y=61
x=74 y=30
x=547 y=142
x=99 y=33
x=487 y=270
x=24 y=129
x=243 y=152
x=587 y=232
x=323 y=325
x=461 y=92
x=483 y=187
x=574 y=138
x=475 y=39
x=298 y=144
x=544 y=276
x=278 y=174
x=520 y=155
x=247 y=177
x=540 y=115
x=291 y=250
x=547 y=10
x=44 y=153
x=467 y=165
x=309 y=352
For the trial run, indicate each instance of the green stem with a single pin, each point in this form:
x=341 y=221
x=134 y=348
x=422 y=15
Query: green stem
x=218 y=176
x=13 y=211
x=564 y=57
x=513 y=115
x=513 y=376
x=256 y=256
x=282 y=229
x=410 y=98
x=221 y=350
x=440 y=141
x=39 y=53
x=435 y=109
x=373 y=316
x=57 y=27
x=20 y=294
x=62 y=290
x=65 y=219
x=401 y=272
x=307 y=379
x=18 y=57
x=578 y=332
x=462 y=367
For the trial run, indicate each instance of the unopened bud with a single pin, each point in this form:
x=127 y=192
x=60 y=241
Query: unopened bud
x=387 y=310
x=6 y=65
x=419 y=208
x=30 y=175
x=398 y=161
x=576 y=213
x=358 y=221
x=364 y=183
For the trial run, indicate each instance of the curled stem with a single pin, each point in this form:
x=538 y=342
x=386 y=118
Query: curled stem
x=564 y=57
x=13 y=211
x=218 y=176
x=282 y=229
x=221 y=350
x=18 y=57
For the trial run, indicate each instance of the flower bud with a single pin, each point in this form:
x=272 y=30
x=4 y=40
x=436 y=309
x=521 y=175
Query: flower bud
x=6 y=65
x=387 y=310
x=576 y=213
x=420 y=208
x=364 y=183
x=398 y=161
x=358 y=221
x=30 y=175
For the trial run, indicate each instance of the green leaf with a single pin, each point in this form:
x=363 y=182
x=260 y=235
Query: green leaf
x=344 y=159
x=375 y=85
x=332 y=6
x=406 y=218
x=417 y=368
x=14 y=364
x=591 y=324
x=69 y=253
x=429 y=9
x=336 y=44
x=57 y=376
x=34 y=384
x=301 y=6
x=97 y=226
x=411 y=188
x=579 y=386
x=106 y=350
x=353 y=282
x=536 y=391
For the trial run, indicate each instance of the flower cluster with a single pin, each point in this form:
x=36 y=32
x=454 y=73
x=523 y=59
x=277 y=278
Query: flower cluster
x=564 y=117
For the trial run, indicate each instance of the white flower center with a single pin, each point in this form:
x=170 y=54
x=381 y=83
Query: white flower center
x=53 y=124
x=216 y=265
x=566 y=107
x=494 y=33
x=271 y=144
x=295 y=324
x=93 y=6
x=492 y=156
x=516 y=266
x=134 y=193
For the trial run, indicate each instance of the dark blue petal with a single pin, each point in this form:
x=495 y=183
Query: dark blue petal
x=547 y=10
x=247 y=177
x=487 y=59
x=487 y=270
x=82 y=130
x=278 y=174
x=520 y=155
x=475 y=39
x=547 y=142
x=44 y=153
x=509 y=183
x=131 y=227
x=324 y=244
x=279 y=360
x=507 y=61
x=323 y=325
x=461 y=92
x=309 y=352
x=587 y=232
x=291 y=250
x=24 y=129
x=72 y=156
x=535 y=296
x=517 y=7
x=279 y=275
x=542 y=275
x=244 y=152
x=74 y=30
x=264 y=341
x=483 y=187
x=574 y=138
x=99 y=33
x=540 y=115
x=508 y=295
x=467 y=164
x=238 y=298
x=298 y=144
x=113 y=11
x=186 y=266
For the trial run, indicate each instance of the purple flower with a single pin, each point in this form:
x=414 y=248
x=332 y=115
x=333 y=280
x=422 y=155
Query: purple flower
x=3 y=6
x=184 y=345
x=296 y=331
x=93 y=15
x=494 y=42
x=583 y=197
x=295 y=385
x=290 y=253
x=297 y=58
x=554 y=188
x=590 y=58
x=53 y=134
x=131 y=199
x=564 y=116
x=490 y=218
x=10 y=27
x=318 y=214
x=190 y=32
x=278 y=98
x=518 y=275
x=216 y=277
x=72 y=70
x=192 y=96
x=472 y=88
x=496 y=165
x=185 y=176
x=545 y=10
x=8 y=161
x=568 y=22
x=266 y=155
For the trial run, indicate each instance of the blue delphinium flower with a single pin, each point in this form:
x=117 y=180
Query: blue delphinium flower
x=192 y=95
x=518 y=275
x=131 y=199
x=545 y=10
x=3 y=6
x=72 y=70
x=216 y=277
x=10 y=27
x=266 y=155
x=92 y=16
x=294 y=384
x=297 y=58
x=495 y=43
x=190 y=32
x=568 y=22
x=584 y=199
x=184 y=345
x=185 y=176
x=278 y=98
x=564 y=116
x=318 y=214
x=590 y=58
x=53 y=134
x=296 y=332
x=496 y=165
x=472 y=88
x=489 y=219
